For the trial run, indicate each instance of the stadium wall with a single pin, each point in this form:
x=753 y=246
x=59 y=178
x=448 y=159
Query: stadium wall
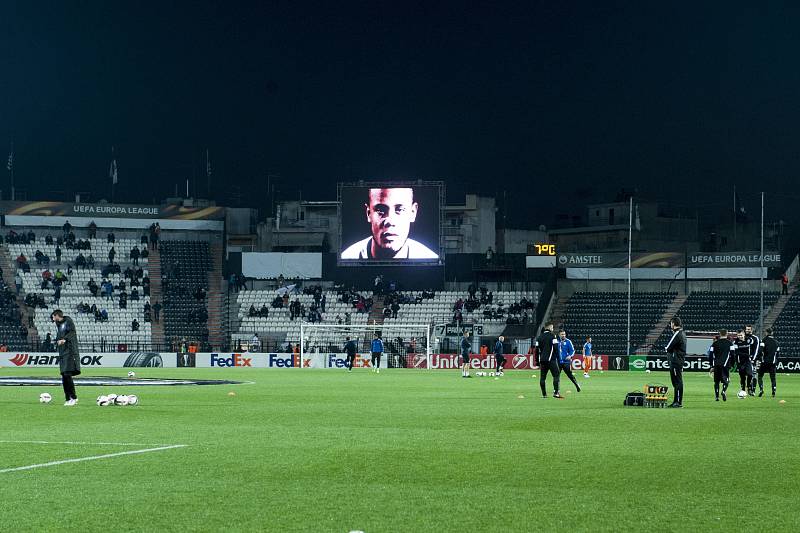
x=567 y=287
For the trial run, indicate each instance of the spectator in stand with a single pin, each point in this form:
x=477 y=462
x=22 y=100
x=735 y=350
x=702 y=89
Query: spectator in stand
x=67 y=227
x=58 y=254
x=157 y=311
x=21 y=260
x=144 y=254
x=57 y=295
x=134 y=294
x=784 y=284
x=123 y=299
x=134 y=255
x=90 y=262
x=255 y=343
x=103 y=315
x=387 y=312
x=200 y=294
x=18 y=282
x=108 y=289
x=48 y=240
x=458 y=305
x=347 y=318
x=80 y=261
x=252 y=311
x=135 y=325
x=264 y=311
x=92 y=286
x=92 y=230
x=395 y=308
x=112 y=253
x=111 y=238
x=458 y=318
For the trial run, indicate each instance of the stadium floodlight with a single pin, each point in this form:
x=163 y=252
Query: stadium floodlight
x=401 y=341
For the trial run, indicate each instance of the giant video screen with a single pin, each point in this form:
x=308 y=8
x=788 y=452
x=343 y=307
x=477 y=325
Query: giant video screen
x=392 y=224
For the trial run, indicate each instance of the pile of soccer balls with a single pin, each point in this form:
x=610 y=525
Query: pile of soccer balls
x=483 y=374
x=117 y=399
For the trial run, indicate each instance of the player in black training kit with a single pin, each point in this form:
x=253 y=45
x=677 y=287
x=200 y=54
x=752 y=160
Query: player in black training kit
x=754 y=345
x=721 y=355
x=350 y=350
x=770 y=351
x=547 y=346
x=676 y=348
x=743 y=364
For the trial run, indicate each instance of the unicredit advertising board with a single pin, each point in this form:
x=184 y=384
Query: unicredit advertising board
x=513 y=361
x=92 y=360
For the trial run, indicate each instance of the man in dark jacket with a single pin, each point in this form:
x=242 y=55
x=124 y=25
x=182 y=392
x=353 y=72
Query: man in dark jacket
x=70 y=359
x=676 y=348
x=499 y=358
x=350 y=349
x=547 y=347
x=770 y=351
x=466 y=347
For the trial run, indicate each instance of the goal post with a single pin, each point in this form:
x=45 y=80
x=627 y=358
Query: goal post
x=403 y=343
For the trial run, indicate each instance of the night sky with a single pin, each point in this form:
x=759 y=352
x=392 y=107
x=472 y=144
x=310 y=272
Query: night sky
x=565 y=99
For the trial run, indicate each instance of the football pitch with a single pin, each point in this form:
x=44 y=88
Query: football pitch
x=404 y=450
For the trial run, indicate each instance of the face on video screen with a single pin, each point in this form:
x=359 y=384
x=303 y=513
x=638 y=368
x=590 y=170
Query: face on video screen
x=391 y=214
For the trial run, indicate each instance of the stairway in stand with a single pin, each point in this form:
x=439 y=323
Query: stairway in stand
x=9 y=269
x=215 y=300
x=777 y=308
x=659 y=327
x=154 y=272
x=376 y=313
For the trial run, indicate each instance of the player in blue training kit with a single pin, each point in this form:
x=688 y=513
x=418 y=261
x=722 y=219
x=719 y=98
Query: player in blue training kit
x=350 y=350
x=565 y=352
x=377 y=351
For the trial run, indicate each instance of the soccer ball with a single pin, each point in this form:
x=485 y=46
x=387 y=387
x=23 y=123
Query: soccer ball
x=648 y=370
x=131 y=374
x=102 y=401
x=742 y=395
x=121 y=400
x=133 y=399
x=45 y=397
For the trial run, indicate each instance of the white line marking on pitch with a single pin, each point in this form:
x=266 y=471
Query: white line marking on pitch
x=77 y=443
x=91 y=458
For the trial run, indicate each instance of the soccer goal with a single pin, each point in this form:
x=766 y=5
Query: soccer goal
x=404 y=345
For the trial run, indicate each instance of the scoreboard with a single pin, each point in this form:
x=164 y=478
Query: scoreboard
x=541 y=255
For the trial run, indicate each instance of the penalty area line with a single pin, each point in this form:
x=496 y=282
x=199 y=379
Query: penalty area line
x=79 y=443
x=92 y=458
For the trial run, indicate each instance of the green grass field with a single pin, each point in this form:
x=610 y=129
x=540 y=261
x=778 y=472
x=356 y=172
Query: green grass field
x=400 y=451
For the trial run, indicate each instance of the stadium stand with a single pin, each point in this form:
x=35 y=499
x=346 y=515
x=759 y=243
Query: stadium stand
x=787 y=327
x=603 y=316
x=13 y=335
x=412 y=307
x=710 y=311
x=93 y=334
x=185 y=266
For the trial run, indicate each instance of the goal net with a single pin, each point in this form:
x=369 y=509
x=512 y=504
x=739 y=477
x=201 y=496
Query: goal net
x=404 y=346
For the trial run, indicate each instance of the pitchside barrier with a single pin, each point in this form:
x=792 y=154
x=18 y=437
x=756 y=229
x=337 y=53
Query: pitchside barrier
x=633 y=363
x=93 y=360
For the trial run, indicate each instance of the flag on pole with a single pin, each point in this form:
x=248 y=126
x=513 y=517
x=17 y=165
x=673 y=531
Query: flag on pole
x=112 y=171
x=10 y=164
x=638 y=221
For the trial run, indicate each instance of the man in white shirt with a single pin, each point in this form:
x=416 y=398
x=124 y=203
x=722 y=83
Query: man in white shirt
x=390 y=213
